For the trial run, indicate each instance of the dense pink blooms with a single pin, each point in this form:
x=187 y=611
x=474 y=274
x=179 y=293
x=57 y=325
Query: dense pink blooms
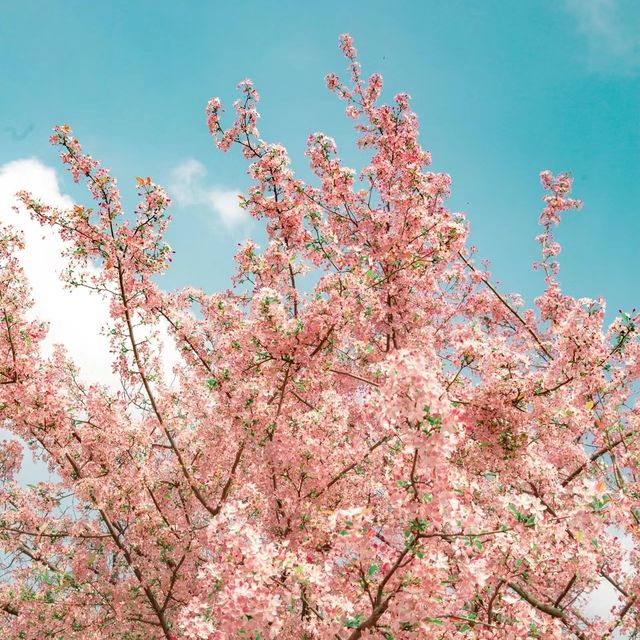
x=389 y=449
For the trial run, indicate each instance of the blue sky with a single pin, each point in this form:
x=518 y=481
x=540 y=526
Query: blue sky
x=503 y=90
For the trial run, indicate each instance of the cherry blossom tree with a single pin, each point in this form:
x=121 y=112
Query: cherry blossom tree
x=390 y=448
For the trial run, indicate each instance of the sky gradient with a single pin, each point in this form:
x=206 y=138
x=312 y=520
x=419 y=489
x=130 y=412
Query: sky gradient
x=503 y=90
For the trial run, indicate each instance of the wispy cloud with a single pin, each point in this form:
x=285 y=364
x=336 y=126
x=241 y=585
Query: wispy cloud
x=612 y=32
x=189 y=188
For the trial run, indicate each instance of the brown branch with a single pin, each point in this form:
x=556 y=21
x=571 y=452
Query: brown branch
x=607 y=576
x=55 y=534
x=566 y=590
x=550 y=610
x=509 y=307
x=323 y=341
x=595 y=456
x=10 y=609
x=341 y=474
x=301 y=399
x=295 y=293
x=492 y=600
x=184 y=338
x=229 y=482
x=115 y=536
x=283 y=389
x=159 y=510
x=413 y=474
x=13 y=378
x=545 y=392
x=304 y=599
x=622 y=614
x=149 y=392
x=355 y=377
x=380 y=603
x=36 y=557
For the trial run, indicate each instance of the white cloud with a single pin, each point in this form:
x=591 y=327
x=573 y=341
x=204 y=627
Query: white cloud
x=612 y=32
x=76 y=316
x=188 y=188
x=184 y=179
